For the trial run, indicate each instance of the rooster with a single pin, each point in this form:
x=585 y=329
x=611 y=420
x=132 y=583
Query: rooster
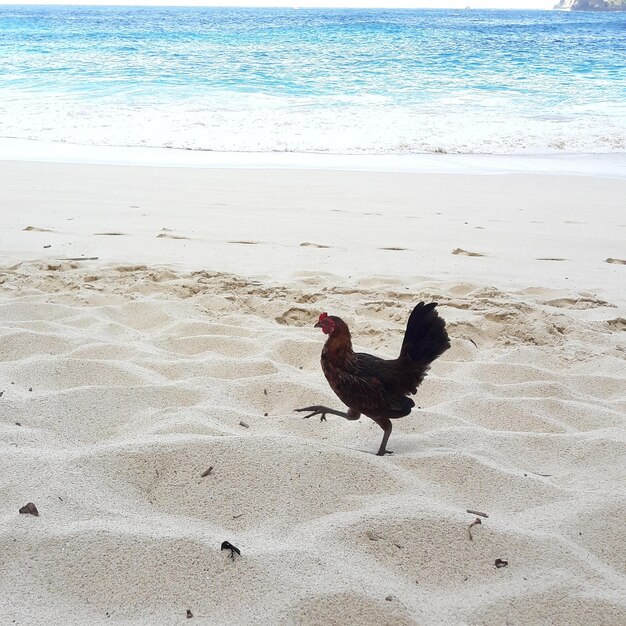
x=377 y=387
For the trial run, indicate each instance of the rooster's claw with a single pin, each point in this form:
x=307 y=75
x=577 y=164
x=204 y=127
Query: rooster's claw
x=315 y=410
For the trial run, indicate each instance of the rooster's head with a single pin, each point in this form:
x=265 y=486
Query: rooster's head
x=329 y=323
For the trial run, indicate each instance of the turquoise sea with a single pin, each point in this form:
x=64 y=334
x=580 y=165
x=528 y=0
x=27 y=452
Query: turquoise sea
x=332 y=81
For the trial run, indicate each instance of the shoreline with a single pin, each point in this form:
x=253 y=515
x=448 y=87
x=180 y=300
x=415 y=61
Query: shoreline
x=605 y=165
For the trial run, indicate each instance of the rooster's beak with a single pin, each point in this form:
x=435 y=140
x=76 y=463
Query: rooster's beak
x=317 y=325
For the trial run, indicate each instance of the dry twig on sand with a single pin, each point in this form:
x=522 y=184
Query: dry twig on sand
x=474 y=523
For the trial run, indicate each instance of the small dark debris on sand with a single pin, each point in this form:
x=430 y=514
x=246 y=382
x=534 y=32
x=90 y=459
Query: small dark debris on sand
x=472 y=512
x=30 y=509
x=206 y=472
x=244 y=424
x=226 y=545
x=501 y=563
x=189 y=614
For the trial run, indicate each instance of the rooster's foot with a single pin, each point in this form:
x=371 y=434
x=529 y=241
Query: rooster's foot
x=321 y=411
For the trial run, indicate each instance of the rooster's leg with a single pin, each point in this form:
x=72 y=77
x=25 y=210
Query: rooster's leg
x=322 y=410
x=385 y=424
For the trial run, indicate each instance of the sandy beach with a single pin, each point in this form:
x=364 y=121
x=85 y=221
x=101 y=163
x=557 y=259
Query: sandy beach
x=157 y=322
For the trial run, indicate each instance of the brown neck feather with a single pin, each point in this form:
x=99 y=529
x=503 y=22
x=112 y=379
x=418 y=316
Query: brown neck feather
x=339 y=344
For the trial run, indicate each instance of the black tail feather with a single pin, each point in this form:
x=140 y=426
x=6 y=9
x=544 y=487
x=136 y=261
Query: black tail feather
x=425 y=338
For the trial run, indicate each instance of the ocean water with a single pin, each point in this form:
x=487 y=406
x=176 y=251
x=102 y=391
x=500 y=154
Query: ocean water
x=327 y=81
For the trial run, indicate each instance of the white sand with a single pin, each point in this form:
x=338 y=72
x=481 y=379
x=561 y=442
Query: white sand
x=126 y=377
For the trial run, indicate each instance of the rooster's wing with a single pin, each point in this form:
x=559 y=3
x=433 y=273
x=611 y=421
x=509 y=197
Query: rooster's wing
x=377 y=386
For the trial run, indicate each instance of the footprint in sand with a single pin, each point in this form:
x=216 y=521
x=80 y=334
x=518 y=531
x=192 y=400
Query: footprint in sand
x=462 y=252
x=167 y=233
x=615 y=261
x=168 y=236
x=584 y=302
x=297 y=317
x=308 y=244
x=36 y=229
x=619 y=323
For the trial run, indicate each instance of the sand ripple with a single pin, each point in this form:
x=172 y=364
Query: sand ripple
x=115 y=400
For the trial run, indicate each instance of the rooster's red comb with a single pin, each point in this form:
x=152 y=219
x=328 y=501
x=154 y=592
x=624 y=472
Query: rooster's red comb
x=323 y=316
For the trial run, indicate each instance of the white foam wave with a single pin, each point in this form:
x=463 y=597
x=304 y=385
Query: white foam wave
x=469 y=124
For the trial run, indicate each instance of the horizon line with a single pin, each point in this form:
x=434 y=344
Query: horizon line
x=272 y=6
x=295 y=6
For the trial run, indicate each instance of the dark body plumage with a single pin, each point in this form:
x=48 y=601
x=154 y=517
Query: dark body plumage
x=378 y=387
